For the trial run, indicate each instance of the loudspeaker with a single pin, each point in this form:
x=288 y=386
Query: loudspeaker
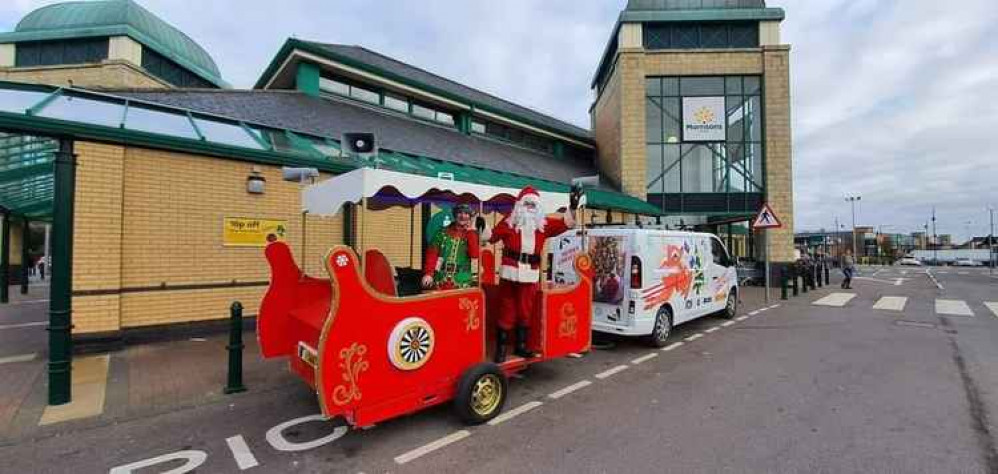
x=359 y=143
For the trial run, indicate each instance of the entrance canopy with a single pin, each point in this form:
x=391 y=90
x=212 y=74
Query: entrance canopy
x=385 y=188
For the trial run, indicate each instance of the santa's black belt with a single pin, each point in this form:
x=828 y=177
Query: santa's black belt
x=522 y=257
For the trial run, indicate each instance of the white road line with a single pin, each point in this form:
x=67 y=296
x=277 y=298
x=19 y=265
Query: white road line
x=644 y=358
x=742 y=318
x=569 y=389
x=898 y=282
x=431 y=447
x=729 y=323
x=672 y=346
x=509 y=415
x=244 y=457
x=943 y=273
x=693 y=337
x=28 y=302
x=835 y=299
x=963 y=273
x=23 y=325
x=713 y=329
x=763 y=309
x=607 y=373
x=993 y=307
x=774 y=306
x=891 y=303
x=934 y=280
x=753 y=313
x=18 y=358
x=953 y=308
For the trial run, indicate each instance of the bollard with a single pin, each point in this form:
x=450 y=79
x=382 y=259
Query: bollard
x=817 y=275
x=793 y=278
x=235 y=347
x=828 y=280
x=803 y=281
x=783 y=283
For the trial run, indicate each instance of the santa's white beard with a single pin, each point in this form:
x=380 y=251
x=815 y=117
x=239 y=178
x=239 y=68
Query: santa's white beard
x=525 y=220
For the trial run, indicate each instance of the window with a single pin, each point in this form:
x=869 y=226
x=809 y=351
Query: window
x=333 y=86
x=169 y=71
x=478 y=127
x=717 y=35
x=396 y=103
x=50 y=53
x=723 y=176
x=719 y=253
x=423 y=112
x=365 y=95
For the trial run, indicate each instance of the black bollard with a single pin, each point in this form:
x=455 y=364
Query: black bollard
x=793 y=278
x=803 y=281
x=235 y=347
x=817 y=275
x=783 y=283
x=828 y=280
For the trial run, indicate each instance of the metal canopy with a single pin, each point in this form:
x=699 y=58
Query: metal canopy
x=26 y=174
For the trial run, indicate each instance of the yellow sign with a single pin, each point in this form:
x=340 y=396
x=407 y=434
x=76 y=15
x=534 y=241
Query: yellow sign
x=248 y=232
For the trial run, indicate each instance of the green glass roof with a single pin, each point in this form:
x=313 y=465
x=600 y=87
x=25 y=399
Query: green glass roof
x=115 y=18
x=28 y=111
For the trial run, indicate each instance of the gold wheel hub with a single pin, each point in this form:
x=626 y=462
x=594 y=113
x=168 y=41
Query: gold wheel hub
x=486 y=395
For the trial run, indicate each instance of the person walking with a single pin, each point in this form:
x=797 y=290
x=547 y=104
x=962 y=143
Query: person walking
x=848 y=269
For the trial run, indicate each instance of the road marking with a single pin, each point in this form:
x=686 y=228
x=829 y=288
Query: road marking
x=835 y=299
x=953 y=308
x=729 y=323
x=89 y=387
x=934 y=280
x=963 y=273
x=18 y=358
x=241 y=452
x=607 y=373
x=693 y=337
x=672 y=346
x=644 y=358
x=891 y=303
x=753 y=313
x=713 y=329
x=898 y=282
x=23 y=325
x=569 y=389
x=514 y=412
x=431 y=447
x=943 y=273
x=774 y=306
x=742 y=318
x=28 y=302
x=993 y=307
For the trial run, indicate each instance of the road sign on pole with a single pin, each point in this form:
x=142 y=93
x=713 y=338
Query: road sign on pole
x=765 y=220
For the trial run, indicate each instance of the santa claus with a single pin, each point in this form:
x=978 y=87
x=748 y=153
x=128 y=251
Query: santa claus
x=523 y=233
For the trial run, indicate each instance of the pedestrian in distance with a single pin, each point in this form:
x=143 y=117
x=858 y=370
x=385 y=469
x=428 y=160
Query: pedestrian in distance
x=848 y=269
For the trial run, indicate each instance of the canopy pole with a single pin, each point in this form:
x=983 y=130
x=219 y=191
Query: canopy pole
x=5 y=259
x=25 y=257
x=361 y=231
x=60 y=300
x=304 y=245
x=478 y=261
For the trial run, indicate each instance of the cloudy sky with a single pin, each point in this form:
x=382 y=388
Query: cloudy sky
x=894 y=100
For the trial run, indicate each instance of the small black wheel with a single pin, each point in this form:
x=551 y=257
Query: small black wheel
x=481 y=393
x=659 y=336
x=731 y=307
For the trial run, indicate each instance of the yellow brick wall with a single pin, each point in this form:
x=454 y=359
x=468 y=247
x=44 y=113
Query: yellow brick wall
x=779 y=152
x=606 y=123
x=147 y=218
x=109 y=74
x=633 y=164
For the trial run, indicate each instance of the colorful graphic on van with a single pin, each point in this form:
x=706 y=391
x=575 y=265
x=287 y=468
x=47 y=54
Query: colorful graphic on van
x=719 y=288
x=609 y=255
x=680 y=271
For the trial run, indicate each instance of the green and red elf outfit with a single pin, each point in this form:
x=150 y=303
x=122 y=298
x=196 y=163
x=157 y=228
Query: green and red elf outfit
x=451 y=256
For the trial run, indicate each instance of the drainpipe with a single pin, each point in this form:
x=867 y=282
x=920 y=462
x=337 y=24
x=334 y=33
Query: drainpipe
x=5 y=259
x=60 y=303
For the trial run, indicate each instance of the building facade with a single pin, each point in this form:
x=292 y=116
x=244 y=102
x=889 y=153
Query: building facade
x=692 y=114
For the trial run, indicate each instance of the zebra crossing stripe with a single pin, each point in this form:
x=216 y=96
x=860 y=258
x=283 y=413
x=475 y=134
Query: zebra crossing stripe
x=835 y=299
x=891 y=303
x=953 y=308
x=993 y=307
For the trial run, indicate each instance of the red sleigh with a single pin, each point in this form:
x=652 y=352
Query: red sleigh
x=372 y=356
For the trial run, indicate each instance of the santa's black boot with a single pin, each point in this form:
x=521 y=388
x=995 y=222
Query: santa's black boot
x=521 y=343
x=502 y=342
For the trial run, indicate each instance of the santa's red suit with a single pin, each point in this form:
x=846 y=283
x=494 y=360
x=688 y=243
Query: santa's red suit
x=521 y=258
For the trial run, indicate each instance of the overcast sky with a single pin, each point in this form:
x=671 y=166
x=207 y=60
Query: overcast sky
x=893 y=100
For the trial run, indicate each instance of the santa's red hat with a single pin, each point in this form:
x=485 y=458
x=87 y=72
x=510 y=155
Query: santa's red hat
x=526 y=192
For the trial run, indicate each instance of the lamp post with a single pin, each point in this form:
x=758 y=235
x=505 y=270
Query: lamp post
x=935 y=239
x=853 y=200
x=991 y=241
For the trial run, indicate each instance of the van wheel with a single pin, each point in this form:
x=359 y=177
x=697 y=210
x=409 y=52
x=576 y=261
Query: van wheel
x=659 y=336
x=481 y=393
x=731 y=307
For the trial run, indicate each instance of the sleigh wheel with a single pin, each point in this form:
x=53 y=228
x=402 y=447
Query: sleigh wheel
x=481 y=394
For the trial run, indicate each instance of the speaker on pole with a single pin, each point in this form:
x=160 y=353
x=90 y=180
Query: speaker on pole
x=362 y=146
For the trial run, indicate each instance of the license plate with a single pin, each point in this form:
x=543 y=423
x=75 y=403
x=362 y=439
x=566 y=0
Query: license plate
x=308 y=354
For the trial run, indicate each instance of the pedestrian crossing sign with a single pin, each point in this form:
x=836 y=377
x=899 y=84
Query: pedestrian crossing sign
x=766 y=219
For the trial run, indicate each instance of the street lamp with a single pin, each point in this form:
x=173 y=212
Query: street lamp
x=853 y=200
x=991 y=241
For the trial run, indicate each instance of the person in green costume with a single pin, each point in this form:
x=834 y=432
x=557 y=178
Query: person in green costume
x=452 y=255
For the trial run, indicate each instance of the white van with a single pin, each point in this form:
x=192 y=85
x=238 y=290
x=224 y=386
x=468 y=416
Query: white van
x=648 y=281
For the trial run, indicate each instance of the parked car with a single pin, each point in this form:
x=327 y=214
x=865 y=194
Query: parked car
x=910 y=262
x=966 y=262
x=648 y=281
